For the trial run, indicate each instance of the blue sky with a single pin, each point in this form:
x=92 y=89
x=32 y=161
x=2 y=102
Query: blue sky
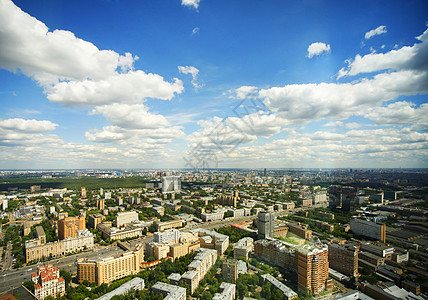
x=188 y=83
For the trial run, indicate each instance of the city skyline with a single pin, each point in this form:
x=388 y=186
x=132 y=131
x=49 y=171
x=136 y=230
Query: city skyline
x=191 y=84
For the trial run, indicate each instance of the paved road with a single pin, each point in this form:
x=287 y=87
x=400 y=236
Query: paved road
x=8 y=259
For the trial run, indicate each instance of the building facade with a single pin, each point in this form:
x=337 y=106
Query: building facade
x=110 y=269
x=47 y=282
x=68 y=227
x=266 y=224
x=125 y=217
x=369 y=229
x=344 y=258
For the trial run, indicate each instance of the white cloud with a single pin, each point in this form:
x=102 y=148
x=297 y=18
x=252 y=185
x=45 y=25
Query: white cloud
x=132 y=87
x=377 y=31
x=73 y=71
x=192 y=71
x=303 y=103
x=191 y=3
x=334 y=124
x=195 y=30
x=243 y=92
x=131 y=116
x=29 y=126
x=405 y=58
x=400 y=113
x=317 y=49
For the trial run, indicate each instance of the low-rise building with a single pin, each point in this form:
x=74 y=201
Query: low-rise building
x=115 y=233
x=243 y=247
x=134 y=284
x=126 y=217
x=47 y=282
x=162 y=226
x=286 y=291
x=227 y=292
x=168 y=291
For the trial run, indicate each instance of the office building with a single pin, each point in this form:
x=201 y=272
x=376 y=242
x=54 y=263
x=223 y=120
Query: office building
x=125 y=217
x=369 y=229
x=47 y=282
x=109 y=269
x=344 y=258
x=171 y=184
x=266 y=224
x=68 y=227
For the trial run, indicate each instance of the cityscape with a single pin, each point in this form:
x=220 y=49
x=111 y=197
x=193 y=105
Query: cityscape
x=215 y=234
x=213 y=150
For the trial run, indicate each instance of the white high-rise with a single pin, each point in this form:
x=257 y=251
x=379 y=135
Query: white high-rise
x=171 y=184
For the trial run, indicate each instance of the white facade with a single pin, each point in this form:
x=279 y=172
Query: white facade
x=166 y=236
x=171 y=184
x=125 y=217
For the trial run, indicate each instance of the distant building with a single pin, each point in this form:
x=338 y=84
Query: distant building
x=228 y=200
x=162 y=226
x=266 y=225
x=94 y=220
x=47 y=282
x=83 y=189
x=171 y=184
x=369 y=229
x=243 y=247
x=100 y=203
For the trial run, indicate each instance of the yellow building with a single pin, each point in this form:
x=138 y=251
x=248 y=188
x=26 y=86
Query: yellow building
x=111 y=268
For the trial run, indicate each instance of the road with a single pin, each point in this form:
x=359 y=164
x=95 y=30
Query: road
x=8 y=258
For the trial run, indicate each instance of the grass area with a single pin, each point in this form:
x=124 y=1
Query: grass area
x=293 y=239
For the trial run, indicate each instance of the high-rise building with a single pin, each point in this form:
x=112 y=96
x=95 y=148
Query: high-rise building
x=172 y=235
x=309 y=261
x=68 y=227
x=343 y=258
x=83 y=192
x=230 y=270
x=266 y=224
x=171 y=184
x=100 y=203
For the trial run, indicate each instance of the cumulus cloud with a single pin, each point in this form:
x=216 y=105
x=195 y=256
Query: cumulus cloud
x=406 y=58
x=132 y=87
x=192 y=71
x=191 y=3
x=30 y=126
x=303 y=103
x=131 y=116
x=376 y=31
x=317 y=49
x=243 y=92
x=400 y=113
x=73 y=71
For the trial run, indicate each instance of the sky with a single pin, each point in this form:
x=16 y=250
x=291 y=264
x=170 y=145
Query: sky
x=213 y=84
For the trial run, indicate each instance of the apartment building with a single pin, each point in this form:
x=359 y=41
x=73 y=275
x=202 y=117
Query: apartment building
x=344 y=258
x=47 y=282
x=227 y=292
x=109 y=269
x=212 y=239
x=172 y=235
x=35 y=250
x=300 y=229
x=243 y=247
x=94 y=220
x=309 y=261
x=230 y=270
x=228 y=200
x=199 y=267
x=266 y=224
x=169 y=291
x=68 y=227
